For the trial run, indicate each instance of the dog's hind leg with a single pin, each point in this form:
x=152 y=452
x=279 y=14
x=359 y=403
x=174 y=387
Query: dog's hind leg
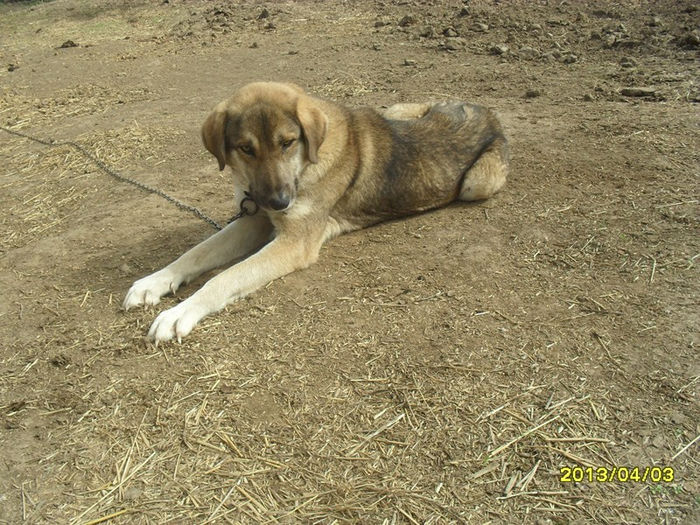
x=488 y=174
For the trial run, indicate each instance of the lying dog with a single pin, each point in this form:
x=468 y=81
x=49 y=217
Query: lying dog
x=317 y=169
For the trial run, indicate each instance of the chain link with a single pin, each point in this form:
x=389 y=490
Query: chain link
x=247 y=207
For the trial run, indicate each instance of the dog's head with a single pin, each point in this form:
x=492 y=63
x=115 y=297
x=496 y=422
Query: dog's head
x=268 y=133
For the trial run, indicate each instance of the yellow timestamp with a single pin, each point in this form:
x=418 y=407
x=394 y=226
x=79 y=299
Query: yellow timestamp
x=616 y=474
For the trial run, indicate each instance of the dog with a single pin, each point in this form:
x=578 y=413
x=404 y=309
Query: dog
x=317 y=169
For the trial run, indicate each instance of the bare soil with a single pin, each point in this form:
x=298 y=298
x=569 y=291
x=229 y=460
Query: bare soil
x=439 y=369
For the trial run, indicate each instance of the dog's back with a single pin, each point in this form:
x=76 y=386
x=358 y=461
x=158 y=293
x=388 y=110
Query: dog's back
x=454 y=151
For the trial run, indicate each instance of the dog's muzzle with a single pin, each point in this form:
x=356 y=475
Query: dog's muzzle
x=277 y=201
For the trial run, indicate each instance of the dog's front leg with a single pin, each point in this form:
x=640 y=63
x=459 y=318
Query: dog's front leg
x=235 y=240
x=283 y=255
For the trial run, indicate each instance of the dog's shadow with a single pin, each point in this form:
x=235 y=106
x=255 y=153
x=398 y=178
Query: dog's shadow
x=152 y=249
x=143 y=253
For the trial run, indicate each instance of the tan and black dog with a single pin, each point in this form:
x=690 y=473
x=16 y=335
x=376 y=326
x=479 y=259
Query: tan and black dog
x=317 y=169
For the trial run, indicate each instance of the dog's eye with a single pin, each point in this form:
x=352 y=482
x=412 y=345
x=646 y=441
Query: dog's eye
x=287 y=143
x=247 y=150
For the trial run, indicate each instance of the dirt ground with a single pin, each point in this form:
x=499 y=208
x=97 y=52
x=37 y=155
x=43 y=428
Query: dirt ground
x=439 y=369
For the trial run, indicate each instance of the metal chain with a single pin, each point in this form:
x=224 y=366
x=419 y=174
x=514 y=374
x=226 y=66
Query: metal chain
x=245 y=206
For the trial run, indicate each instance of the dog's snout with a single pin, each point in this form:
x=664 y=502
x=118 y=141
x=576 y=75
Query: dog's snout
x=279 y=202
x=275 y=200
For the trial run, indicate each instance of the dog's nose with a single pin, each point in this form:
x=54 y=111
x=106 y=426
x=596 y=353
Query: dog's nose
x=279 y=202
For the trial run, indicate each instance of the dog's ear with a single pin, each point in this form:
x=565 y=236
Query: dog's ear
x=314 y=123
x=214 y=135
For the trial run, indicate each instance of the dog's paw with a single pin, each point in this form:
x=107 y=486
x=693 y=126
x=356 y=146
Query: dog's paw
x=149 y=290
x=176 y=322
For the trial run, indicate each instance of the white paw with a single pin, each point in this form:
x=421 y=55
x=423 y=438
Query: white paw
x=177 y=322
x=149 y=290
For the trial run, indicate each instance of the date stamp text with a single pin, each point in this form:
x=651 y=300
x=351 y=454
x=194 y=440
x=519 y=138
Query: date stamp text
x=616 y=474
